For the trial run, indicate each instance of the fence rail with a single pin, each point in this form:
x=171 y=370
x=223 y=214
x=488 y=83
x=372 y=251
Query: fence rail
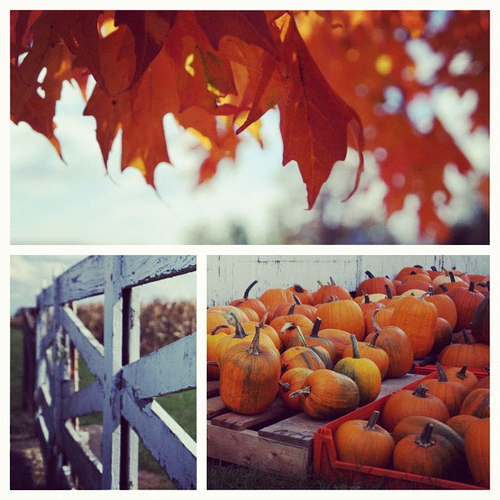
x=125 y=385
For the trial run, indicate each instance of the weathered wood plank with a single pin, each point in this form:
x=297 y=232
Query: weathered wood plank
x=169 y=444
x=170 y=369
x=298 y=430
x=248 y=448
x=215 y=407
x=141 y=269
x=83 y=402
x=212 y=388
x=239 y=422
x=83 y=462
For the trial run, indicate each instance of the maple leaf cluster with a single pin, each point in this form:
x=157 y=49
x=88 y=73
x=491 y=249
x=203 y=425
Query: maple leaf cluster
x=219 y=72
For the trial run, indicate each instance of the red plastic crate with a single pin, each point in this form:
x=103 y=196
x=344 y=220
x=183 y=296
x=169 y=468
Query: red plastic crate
x=326 y=464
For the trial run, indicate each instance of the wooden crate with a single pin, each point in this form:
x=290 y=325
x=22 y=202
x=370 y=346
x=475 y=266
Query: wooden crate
x=276 y=440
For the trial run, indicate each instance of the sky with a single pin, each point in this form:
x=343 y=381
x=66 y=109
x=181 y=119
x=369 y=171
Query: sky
x=29 y=274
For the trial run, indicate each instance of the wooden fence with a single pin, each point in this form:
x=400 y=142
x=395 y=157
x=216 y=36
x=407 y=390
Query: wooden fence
x=125 y=384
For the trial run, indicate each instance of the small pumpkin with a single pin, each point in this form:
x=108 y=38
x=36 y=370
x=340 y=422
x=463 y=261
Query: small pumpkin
x=302 y=356
x=325 y=291
x=274 y=297
x=291 y=381
x=445 y=306
x=286 y=326
x=406 y=402
x=363 y=371
x=249 y=376
x=375 y=284
x=327 y=395
x=213 y=371
x=426 y=454
x=463 y=376
x=343 y=315
x=364 y=442
x=304 y=295
x=477 y=450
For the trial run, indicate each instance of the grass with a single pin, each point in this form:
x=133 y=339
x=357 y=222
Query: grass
x=181 y=406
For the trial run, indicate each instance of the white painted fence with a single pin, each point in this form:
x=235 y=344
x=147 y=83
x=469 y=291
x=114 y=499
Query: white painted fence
x=229 y=275
x=125 y=384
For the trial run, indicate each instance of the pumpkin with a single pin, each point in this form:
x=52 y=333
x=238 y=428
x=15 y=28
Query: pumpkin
x=274 y=297
x=286 y=326
x=375 y=284
x=291 y=381
x=473 y=355
x=466 y=300
x=325 y=292
x=301 y=356
x=327 y=395
x=447 y=281
x=296 y=308
x=477 y=403
x=417 y=318
x=443 y=335
x=363 y=371
x=249 y=376
x=396 y=344
x=406 y=402
x=339 y=338
x=213 y=371
x=305 y=296
x=414 y=424
x=480 y=324
x=368 y=306
x=343 y=315
x=265 y=329
x=215 y=319
x=460 y=423
x=426 y=454
x=364 y=442
x=231 y=313
x=405 y=271
x=463 y=376
x=370 y=351
x=477 y=450
x=315 y=340
x=484 y=382
x=413 y=285
x=445 y=306
x=451 y=393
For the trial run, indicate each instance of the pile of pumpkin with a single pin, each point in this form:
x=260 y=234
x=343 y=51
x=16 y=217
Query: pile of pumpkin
x=326 y=352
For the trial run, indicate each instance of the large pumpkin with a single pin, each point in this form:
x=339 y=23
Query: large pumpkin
x=343 y=315
x=466 y=300
x=473 y=355
x=327 y=395
x=249 y=376
x=364 y=442
x=417 y=318
x=445 y=306
x=406 y=402
x=426 y=454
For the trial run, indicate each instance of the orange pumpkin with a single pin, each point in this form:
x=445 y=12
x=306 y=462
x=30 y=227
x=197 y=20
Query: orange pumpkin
x=291 y=381
x=477 y=403
x=325 y=292
x=406 y=402
x=274 y=297
x=477 y=450
x=363 y=442
x=375 y=284
x=480 y=325
x=463 y=376
x=286 y=326
x=249 y=376
x=305 y=296
x=466 y=300
x=426 y=454
x=327 y=395
x=443 y=335
x=213 y=371
x=417 y=318
x=445 y=306
x=473 y=355
x=343 y=315
x=460 y=423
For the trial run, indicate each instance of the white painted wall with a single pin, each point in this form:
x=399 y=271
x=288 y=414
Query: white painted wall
x=229 y=275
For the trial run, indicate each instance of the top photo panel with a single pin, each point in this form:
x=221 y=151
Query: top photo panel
x=250 y=127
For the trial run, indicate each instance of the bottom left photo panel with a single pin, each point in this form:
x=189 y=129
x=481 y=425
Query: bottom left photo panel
x=103 y=372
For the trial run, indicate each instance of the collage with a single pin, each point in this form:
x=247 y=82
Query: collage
x=248 y=247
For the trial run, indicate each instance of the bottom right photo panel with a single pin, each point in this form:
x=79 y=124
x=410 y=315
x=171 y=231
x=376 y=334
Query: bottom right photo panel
x=348 y=372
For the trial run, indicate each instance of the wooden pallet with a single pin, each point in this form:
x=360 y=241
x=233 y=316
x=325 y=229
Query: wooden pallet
x=275 y=440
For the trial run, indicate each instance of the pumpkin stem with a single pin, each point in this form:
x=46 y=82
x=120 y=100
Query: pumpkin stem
x=441 y=372
x=425 y=439
x=304 y=390
x=370 y=274
x=264 y=318
x=355 y=348
x=374 y=322
x=254 y=345
x=320 y=283
x=218 y=327
x=250 y=286
x=301 y=337
x=285 y=385
x=240 y=333
x=433 y=268
x=466 y=337
x=471 y=286
x=431 y=290
x=332 y=282
x=388 y=291
x=291 y=310
x=298 y=288
x=366 y=297
x=372 y=420
x=374 y=339
x=443 y=287
x=462 y=374
x=315 y=328
x=333 y=298
x=421 y=391
x=297 y=300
